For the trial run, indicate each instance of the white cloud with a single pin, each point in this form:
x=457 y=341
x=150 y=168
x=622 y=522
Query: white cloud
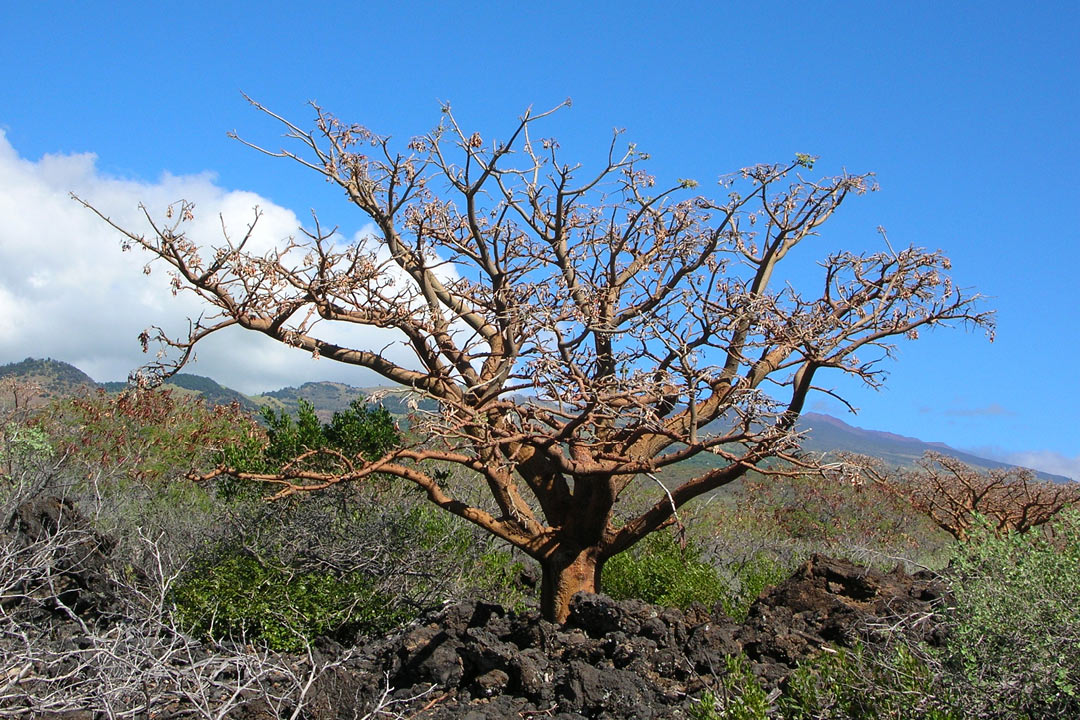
x=1046 y=461
x=68 y=292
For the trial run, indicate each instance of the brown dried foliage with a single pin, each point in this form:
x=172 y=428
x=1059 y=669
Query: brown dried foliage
x=954 y=494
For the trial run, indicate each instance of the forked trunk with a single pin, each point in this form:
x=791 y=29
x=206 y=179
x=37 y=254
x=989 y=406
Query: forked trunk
x=567 y=572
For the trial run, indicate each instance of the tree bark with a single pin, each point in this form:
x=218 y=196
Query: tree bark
x=566 y=572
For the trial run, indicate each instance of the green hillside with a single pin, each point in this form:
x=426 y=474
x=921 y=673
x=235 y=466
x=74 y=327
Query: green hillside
x=211 y=391
x=46 y=379
x=186 y=384
x=331 y=397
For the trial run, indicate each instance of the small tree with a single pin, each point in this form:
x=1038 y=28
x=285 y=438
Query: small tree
x=954 y=494
x=576 y=330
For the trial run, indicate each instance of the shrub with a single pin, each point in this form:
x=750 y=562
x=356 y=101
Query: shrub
x=843 y=684
x=147 y=435
x=316 y=567
x=1014 y=622
x=1010 y=651
x=361 y=558
x=739 y=697
x=856 y=684
x=833 y=513
x=240 y=597
x=105 y=645
x=360 y=431
x=122 y=458
x=22 y=445
x=658 y=570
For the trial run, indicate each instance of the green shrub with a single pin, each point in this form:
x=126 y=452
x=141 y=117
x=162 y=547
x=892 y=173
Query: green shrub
x=240 y=597
x=393 y=554
x=658 y=570
x=21 y=441
x=851 y=684
x=359 y=432
x=739 y=697
x=495 y=576
x=844 y=684
x=749 y=578
x=1011 y=649
x=1014 y=622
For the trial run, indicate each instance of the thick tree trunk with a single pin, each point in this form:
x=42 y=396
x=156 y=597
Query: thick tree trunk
x=565 y=572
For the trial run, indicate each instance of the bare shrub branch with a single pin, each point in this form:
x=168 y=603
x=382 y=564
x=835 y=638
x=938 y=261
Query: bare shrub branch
x=954 y=494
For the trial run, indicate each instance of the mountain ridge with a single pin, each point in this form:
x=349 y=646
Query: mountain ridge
x=827 y=434
x=821 y=433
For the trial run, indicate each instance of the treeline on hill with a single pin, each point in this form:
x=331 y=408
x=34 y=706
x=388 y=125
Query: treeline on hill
x=212 y=572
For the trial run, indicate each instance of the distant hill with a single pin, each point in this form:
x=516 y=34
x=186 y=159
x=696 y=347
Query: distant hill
x=824 y=434
x=186 y=384
x=211 y=391
x=55 y=378
x=331 y=397
x=49 y=379
x=327 y=397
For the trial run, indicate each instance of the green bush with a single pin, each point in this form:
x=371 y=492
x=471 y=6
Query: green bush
x=852 y=684
x=661 y=571
x=389 y=552
x=658 y=570
x=318 y=568
x=240 y=597
x=844 y=684
x=1011 y=649
x=740 y=696
x=359 y=432
x=22 y=442
x=1014 y=622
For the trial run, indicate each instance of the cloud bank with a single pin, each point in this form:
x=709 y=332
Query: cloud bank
x=67 y=291
x=1044 y=460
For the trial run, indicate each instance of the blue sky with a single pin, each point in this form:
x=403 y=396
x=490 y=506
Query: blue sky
x=966 y=111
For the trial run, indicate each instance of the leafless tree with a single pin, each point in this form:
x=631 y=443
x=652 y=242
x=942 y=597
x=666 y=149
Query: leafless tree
x=955 y=494
x=577 y=329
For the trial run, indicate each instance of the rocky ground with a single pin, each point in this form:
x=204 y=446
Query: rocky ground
x=477 y=661
x=632 y=660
